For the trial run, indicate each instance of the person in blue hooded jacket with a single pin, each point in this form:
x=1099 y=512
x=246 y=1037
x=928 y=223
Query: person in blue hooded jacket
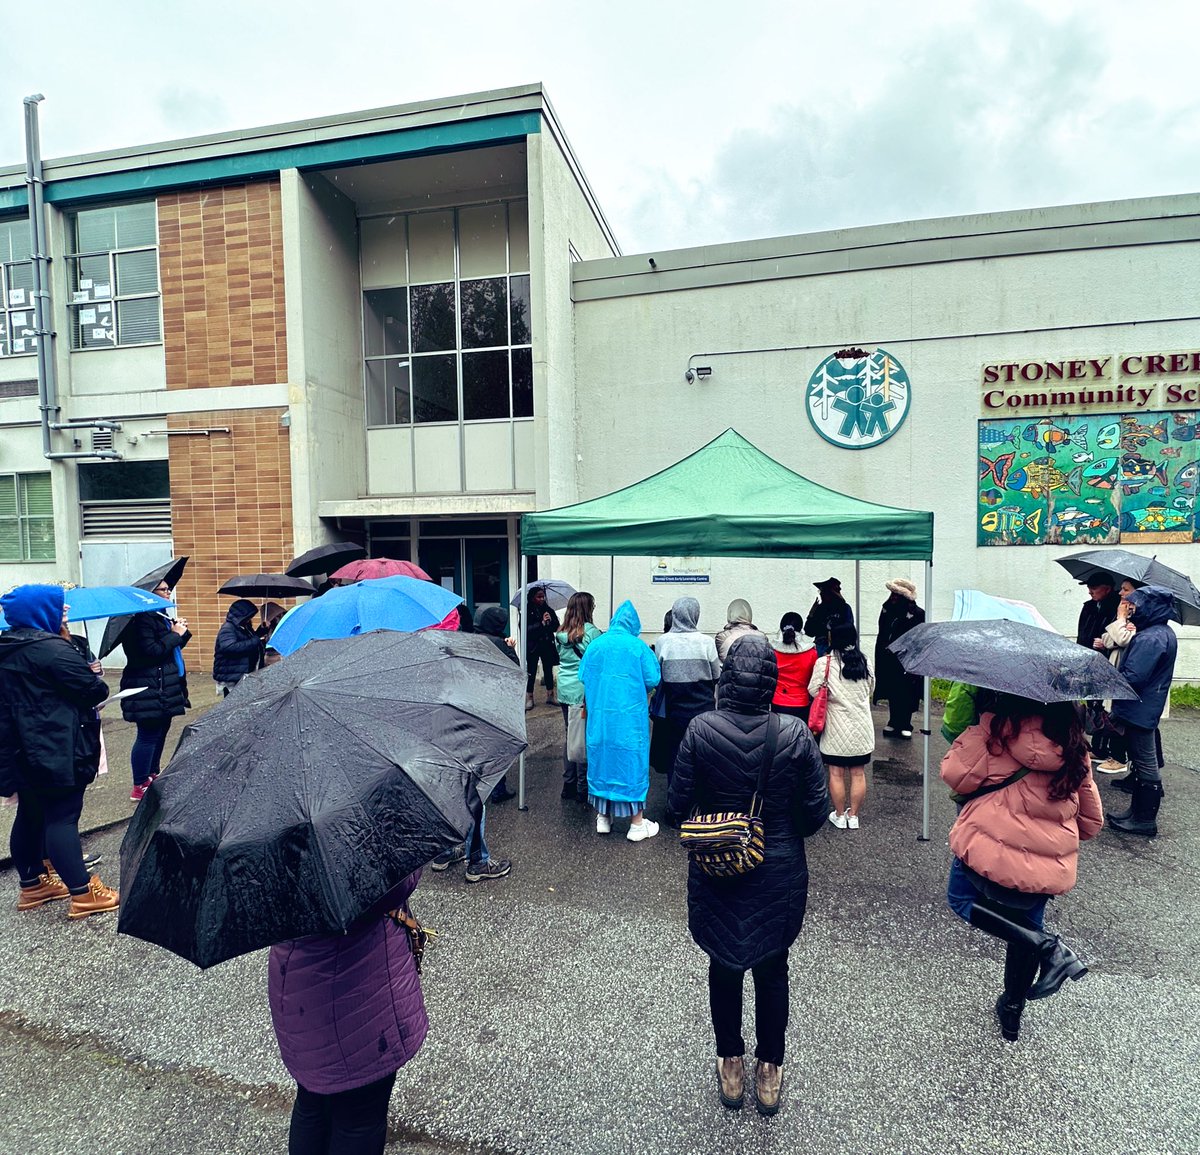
x=49 y=750
x=618 y=671
x=1148 y=666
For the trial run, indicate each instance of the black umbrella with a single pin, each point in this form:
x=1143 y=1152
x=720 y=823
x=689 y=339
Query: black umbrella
x=268 y=585
x=1012 y=658
x=1120 y=563
x=325 y=559
x=315 y=787
x=169 y=572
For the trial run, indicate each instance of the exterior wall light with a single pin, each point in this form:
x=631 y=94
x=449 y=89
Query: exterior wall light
x=698 y=372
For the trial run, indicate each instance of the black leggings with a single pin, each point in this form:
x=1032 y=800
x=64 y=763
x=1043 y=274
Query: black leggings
x=49 y=828
x=345 y=1123
x=770 y=1007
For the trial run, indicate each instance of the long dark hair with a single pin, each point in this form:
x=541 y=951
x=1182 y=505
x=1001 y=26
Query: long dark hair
x=789 y=626
x=844 y=639
x=1062 y=723
x=580 y=607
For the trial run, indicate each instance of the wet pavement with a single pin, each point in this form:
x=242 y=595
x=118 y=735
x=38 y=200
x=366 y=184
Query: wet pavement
x=568 y=1005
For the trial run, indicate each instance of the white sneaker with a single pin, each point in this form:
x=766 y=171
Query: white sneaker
x=851 y=821
x=839 y=820
x=905 y=733
x=1111 y=766
x=642 y=830
x=603 y=824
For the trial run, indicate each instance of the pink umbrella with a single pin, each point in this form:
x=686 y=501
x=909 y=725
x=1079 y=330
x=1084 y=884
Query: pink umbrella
x=369 y=568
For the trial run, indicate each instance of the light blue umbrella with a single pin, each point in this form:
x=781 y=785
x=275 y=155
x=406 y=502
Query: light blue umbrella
x=87 y=604
x=394 y=603
x=976 y=606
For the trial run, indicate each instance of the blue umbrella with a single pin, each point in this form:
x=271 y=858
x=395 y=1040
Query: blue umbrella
x=395 y=603
x=976 y=606
x=87 y=604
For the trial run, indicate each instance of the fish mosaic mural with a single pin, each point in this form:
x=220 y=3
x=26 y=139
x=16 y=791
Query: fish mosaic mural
x=1089 y=480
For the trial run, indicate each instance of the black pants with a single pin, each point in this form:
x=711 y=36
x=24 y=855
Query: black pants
x=346 y=1123
x=49 y=827
x=548 y=658
x=902 y=701
x=1145 y=752
x=770 y=1007
x=800 y=712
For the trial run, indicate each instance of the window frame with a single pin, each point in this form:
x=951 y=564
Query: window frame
x=7 y=263
x=115 y=298
x=22 y=517
x=410 y=357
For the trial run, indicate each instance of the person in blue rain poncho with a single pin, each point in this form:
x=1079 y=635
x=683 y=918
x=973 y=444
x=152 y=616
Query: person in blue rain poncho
x=618 y=670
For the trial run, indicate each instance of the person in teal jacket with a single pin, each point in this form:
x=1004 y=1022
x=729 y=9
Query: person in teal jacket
x=618 y=671
x=576 y=635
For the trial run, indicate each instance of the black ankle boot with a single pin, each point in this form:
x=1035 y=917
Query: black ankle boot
x=1008 y=1011
x=1142 y=816
x=1058 y=962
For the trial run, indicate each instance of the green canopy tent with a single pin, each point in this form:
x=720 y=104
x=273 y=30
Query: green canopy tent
x=729 y=499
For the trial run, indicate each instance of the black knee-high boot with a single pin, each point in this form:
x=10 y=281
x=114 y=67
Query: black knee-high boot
x=1058 y=962
x=1020 y=968
x=1142 y=815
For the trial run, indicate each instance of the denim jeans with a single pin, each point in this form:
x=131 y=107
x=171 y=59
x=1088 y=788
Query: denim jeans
x=770 y=1007
x=49 y=828
x=350 y=1122
x=1142 y=745
x=477 y=851
x=962 y=893
x=147 y=748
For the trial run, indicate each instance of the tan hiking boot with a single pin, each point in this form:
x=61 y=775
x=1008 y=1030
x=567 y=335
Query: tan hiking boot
x=47 y=890
x=768 y=1083
x=96 y=900
x=731 y=1081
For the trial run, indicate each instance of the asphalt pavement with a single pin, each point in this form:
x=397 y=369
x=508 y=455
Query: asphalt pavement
x=568 y=1005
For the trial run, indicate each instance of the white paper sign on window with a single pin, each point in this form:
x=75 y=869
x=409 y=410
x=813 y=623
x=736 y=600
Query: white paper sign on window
x=87 y=316
x=80 y=296
x=85 y=282
x=99 y=334
x=16 y=296
x=20 y=320
x=102 y=291
x=18 y=346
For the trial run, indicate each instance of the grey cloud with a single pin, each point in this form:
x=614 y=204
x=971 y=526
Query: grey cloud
x=982 y=117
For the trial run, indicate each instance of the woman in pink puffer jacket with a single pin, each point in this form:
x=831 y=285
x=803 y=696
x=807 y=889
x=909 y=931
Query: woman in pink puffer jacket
x=1023 y=777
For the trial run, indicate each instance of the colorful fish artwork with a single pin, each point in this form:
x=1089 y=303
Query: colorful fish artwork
x=1053 y=437
x=1170 y=451
x=1080 y=458
x=1187 y=476
x=1185 y=427
x=1138 y=436
x=997 y=470
x=1010 y=519
x=1138 y=473
x=1109 y=436
x=1041 y=477
x=991 y=497
x=1157 y=517
x=1101 y=474
x=990 y=435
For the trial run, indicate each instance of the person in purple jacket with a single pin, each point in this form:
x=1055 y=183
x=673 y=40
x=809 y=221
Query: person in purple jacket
x=348 y=1014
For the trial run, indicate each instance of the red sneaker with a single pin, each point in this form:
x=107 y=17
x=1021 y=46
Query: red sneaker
x=139 y=791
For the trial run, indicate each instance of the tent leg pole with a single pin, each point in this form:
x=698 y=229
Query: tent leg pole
x=522 y=643
x=927 y=685
x=858 y=598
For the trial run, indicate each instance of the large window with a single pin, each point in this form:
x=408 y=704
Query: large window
x=113 y=274
x=16 y=290
x=26 y=517
x=446 y=330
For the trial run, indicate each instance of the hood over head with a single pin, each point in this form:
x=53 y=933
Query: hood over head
x=34 y=607
x=685 y=614
x=748 y=676
x=626 y=620
x=492 y=621
x=739 y=612
x=1155 y=606
x=241 y=612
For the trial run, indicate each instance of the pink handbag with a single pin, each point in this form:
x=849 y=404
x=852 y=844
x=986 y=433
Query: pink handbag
x=820 y=704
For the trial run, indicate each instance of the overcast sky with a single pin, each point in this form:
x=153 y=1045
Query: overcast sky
x=695 y=122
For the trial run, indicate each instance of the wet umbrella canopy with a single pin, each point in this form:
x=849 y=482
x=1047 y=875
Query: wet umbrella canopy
x=169 y=572
x=558 y=593
x=268 y=585
x=315 y=787
x=1011 y=658
x=324 y=559
x=372 y=568
x=1120 y=563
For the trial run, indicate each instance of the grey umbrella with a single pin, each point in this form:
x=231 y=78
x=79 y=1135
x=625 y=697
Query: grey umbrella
x=169 y=572
x=1143 y=570
x=1011 y=658
x=303 y=798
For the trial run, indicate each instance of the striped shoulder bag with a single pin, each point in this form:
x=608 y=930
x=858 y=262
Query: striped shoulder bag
x=731 y=843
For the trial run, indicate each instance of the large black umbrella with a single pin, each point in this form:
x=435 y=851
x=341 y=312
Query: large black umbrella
x=315 y=787
x=169 y=572
x=1012 y=658
x=268 y=585
x=1145 y=570
x=325 y=559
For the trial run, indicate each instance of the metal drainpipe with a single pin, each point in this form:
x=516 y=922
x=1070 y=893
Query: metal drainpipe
x=47 y=379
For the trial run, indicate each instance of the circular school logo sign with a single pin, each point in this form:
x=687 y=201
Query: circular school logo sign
x=857 y=399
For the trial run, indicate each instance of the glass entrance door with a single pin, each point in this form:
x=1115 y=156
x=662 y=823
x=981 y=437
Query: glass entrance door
x=487 y=573
x=442 y=561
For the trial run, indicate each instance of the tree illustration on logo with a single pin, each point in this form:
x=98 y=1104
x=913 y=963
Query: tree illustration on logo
x=857 y=398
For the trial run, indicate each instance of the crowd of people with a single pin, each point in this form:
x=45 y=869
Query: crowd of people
x=732 y=723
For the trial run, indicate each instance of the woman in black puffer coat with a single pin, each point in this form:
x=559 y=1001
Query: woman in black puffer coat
x=153 y=647
x=748 y=922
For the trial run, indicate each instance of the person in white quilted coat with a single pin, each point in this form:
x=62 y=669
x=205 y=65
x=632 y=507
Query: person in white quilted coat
x=848 y=740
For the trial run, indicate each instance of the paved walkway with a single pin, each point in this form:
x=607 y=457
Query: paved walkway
x=568 y=1004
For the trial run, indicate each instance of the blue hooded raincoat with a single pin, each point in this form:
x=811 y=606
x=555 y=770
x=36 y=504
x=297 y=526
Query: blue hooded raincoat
x=1149 y=660
x=618 y=670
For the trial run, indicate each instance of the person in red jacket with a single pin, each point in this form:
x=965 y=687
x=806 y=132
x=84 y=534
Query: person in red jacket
x=795 y=656
x=1023 y=778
